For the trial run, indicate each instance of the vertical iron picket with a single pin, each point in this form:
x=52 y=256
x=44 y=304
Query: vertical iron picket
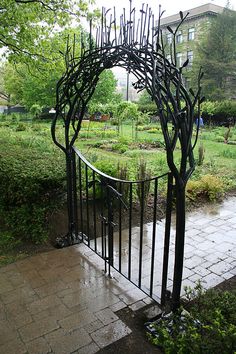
x=153 y=235
x=167 y=238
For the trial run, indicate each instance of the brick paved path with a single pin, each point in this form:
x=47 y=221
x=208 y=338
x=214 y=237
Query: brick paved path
x=60 y=301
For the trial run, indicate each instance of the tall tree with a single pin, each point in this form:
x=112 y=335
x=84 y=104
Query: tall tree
x=33 y=80
x=106 y=89
x=216 y=54
x=24 y=22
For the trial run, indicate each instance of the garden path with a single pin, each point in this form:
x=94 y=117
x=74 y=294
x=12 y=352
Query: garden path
x=60 y=301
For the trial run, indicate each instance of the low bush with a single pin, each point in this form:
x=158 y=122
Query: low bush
x=208 y=186
x=153 y=131
x=209 y=325
x=29 y=182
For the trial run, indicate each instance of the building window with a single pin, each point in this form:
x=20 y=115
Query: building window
x=179 y=59
x=179 y=37
x=191 y=34
x=169 y=38
x=190 y=57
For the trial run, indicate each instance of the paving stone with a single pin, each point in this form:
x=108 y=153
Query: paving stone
x=15 y=346
x=38 y=346
x=148 y=300
x=33 y=278
x=225 y=228
x=106 y=316
x=3 y=313
x=38 y=329
x=227 y=275
x=152 y=312
x=8 y=268
x=45 y=303
x=137 y=305
x=212 y=280
x=118 y=306
x=58 y=313
x=20 y=295
x=110 y=333
x=224 y=247
x=188 y=283
x=77 y=320
x=201 y=271
x=5 y=285
x=102 y=302
x=52 y=288
x=187 y=272
x=89 y=349
x=221 y=267
x=131 y=297
x=62 y=343
x=194 y=278
x=7 y=332
x=192 y=232
x=21 y=319
x=93 y=326
x=193 y=262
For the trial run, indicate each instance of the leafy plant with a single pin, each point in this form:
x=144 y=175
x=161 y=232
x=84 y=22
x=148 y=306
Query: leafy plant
x=143 y=174
x=209 y=325
x=201 y=154
x=208 y=186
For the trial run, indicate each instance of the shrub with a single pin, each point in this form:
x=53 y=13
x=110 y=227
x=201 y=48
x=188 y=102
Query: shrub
x=143 y=174
x=208 y=327
x=21 y=127
x=208 y=186
x=153 y=130
x=119 y=147
x=29 y=182
x=201 y=154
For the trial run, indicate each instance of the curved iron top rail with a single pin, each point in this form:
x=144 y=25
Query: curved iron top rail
x=104 y=175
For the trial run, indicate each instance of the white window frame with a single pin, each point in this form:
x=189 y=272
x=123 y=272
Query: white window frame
x=169 y=38
x=179 y=57
x=190 y=57
x=191 y=34
x=179 y=37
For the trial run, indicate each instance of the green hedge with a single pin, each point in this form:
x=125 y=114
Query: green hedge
x=30 y=182
x=218 y=113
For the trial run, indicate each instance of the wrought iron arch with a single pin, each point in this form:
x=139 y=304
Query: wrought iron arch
x=138 y=46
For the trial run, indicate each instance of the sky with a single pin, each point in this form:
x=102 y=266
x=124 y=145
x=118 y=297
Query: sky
x=171 y=7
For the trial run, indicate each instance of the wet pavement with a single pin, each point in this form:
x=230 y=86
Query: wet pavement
x=61 y=302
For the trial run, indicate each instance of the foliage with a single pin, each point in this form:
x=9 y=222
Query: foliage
x=217 y=56
x=143 y=174
x=208 y=327
x=36 y=80
x=21 y=29
x=208 y=186
x=145 y=103
x=30 y=179
x=105 y=91
x=201 y=154
x=35 y=109
x=218 y=110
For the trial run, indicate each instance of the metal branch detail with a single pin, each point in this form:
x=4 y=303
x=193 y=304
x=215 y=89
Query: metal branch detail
x=135 y=42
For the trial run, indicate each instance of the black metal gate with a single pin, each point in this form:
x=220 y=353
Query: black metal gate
x=119 y=220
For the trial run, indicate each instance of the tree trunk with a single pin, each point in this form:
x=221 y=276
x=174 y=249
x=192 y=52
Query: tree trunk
x=179 y=245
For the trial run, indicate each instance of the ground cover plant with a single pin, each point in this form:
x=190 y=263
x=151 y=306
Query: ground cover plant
x=205 y=324
x=32 y=170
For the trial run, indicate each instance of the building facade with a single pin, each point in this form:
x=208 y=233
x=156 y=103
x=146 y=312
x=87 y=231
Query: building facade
x=191 y=32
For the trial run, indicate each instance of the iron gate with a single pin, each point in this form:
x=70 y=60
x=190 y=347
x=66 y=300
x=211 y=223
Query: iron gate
x=105 y=210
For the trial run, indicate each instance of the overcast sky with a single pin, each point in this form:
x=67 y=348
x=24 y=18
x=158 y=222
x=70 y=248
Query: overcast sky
x=171 y=7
